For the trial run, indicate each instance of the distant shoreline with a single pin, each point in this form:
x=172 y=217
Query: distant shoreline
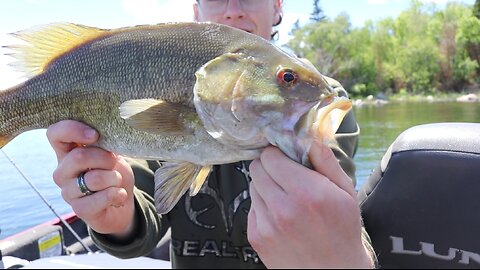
x=470 y=97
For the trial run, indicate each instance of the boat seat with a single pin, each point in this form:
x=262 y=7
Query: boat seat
x=37 y=242
x=421 y=205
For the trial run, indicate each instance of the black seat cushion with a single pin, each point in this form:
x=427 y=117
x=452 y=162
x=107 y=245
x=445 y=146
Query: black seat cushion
x=421 y=206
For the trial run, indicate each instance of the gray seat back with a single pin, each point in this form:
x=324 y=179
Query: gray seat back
x=421 y=205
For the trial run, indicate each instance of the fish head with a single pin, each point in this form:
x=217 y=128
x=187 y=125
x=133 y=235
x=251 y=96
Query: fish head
x=310 y=109
x=249 y=101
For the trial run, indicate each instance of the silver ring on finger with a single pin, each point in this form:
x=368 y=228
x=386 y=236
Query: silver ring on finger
x=82 y=186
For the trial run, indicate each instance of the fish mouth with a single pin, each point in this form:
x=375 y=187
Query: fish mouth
x=309 y=121
x=328 y=118
x=315 y=112
x=320 y=123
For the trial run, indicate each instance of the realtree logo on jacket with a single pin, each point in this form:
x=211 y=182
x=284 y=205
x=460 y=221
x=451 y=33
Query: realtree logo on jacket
x=228 y=211
x=229 y=197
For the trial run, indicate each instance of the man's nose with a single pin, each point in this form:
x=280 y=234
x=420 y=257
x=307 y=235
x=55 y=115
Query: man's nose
x=234 y=10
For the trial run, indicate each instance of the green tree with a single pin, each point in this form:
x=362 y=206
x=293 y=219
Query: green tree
x=476 y=9
x=468 y=56
x=383 y=53
x=317 y=13
x=423 y=50
x=295 y=27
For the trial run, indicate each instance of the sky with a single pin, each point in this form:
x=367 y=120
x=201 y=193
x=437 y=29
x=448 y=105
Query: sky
x=17 y=15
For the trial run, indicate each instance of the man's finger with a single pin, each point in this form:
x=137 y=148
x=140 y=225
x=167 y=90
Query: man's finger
x=325 y=162
x=82 y=159
x=264 y=226
x=283 y=170
x=95 y=180
x=88 y=207
x=68 y=134
x=270 y=191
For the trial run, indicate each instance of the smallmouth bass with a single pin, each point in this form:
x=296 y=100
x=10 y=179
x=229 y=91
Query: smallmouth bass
x=191 y=94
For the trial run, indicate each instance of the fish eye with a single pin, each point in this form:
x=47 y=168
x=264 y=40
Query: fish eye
x=286 y=77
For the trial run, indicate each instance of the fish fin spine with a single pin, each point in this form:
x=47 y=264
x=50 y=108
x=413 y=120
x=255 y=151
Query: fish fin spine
x=173 y=180
x=45 y=43
x=158 y=117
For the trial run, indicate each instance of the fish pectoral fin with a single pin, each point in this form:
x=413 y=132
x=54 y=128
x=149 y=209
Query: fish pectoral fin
x=47 y=42
x=158 y=116
x=172 y=180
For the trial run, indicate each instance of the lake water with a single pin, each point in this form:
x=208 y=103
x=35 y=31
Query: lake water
x=21 y=207
x=380 y=125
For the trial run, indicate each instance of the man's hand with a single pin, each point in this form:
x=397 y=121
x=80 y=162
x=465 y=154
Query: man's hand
x=110 y=209
x=302 y=218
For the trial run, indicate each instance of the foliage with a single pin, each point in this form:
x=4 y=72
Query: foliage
x=476 y=9
x=317 y=13
x=424 y=50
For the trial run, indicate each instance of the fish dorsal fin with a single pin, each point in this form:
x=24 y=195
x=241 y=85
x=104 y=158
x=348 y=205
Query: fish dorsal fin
x=172 y=180
x=158 y=116
x=45 y=43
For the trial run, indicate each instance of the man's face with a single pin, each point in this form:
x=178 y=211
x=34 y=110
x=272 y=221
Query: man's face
x=254 y=16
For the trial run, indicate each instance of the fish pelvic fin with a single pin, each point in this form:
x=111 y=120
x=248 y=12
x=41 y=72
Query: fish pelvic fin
x=172 y=180
x=199 y=180
x=45 y=43
x=159 y=117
